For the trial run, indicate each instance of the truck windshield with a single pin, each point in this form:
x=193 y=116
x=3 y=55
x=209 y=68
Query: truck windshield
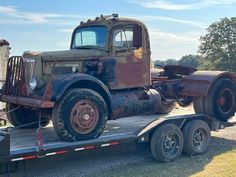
x=90 y=37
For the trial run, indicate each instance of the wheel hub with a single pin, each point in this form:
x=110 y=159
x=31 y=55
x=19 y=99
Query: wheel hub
x=226 y=101
x=170 y=145
x=84 y=116
x=199 y=139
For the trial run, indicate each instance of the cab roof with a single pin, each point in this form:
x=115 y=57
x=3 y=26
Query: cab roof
x=109 y=21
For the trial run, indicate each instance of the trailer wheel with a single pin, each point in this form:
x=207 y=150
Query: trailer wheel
x=197 y=136
x=167 y=143
x=23 y=116
x=80 y=115
x=220 y=102
x=165 y=107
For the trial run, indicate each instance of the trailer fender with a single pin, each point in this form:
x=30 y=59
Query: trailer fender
x=198 y=83
x=61 y=84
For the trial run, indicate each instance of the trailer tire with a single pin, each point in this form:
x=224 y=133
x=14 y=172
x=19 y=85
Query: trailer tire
x=23 y=116
x=220 y=102
x=167 y=143
x=165 y=107
x=197 y=137
x=81 y=114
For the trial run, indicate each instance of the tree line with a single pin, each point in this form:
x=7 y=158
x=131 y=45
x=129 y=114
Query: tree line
x=217 y=50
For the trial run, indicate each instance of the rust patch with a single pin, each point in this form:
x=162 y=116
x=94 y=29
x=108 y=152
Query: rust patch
x=48 y=90
x=24 y=101
x=199 y=82
x=138 y=53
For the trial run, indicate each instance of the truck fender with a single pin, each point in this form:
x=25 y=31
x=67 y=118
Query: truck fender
x=62 y=83
x=198 y=83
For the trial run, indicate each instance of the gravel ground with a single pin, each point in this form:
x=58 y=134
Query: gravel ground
x=128 y=160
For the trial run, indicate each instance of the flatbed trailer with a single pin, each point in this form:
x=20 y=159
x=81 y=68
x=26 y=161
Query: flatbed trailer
x=24 y=144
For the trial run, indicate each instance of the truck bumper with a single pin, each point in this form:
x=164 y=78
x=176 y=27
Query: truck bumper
x=24 y=101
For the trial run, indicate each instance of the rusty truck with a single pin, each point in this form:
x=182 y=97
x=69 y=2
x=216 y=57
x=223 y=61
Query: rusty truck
x=105 y=75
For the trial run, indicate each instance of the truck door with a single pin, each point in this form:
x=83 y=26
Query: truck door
x=132 y=68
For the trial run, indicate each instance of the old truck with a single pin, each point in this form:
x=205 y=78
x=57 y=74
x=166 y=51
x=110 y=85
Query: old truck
x=106 y=75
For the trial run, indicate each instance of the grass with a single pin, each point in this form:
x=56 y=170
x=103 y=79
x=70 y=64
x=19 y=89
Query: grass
x=221 y=165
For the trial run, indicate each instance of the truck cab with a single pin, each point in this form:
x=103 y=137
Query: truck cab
x=126 y=42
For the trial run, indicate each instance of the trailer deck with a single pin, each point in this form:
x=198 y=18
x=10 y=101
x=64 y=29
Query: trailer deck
x=23 y=141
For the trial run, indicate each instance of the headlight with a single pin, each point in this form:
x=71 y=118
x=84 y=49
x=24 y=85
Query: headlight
x=33 y=84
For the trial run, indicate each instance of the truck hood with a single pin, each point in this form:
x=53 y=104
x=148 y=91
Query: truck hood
x=73 y=54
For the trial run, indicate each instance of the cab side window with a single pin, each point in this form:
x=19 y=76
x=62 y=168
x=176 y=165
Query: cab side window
x=126 y=37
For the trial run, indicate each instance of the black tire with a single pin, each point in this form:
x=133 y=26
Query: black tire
x=67 y=110
x=197 y=137
x=199 y=105
x=186 y=101
x=165 y=107
x=23 y=116
x=160 y=143
x=220 y=101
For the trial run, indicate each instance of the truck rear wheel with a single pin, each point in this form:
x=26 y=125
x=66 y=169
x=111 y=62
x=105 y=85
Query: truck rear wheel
x=24 y=118
x=165 y=107
x=197 y=136
x=80 y=115
x=167 y=143
x=199 y=105
x=220 y=102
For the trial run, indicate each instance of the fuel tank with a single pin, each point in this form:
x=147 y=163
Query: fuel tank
x=135 y=102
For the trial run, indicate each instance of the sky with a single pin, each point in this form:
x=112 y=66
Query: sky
x=174 y=26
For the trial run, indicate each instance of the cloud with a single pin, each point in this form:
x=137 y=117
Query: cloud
x=168 y=5
x=171 y=19
x=66 y=30
x=158 y=36
x=7 y=9
x=16 y=16
x=167 y=45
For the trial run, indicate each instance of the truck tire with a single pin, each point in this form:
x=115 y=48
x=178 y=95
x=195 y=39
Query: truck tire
x=197 y=137
x=167 y=143
x=81 y=114
x=199 y=105
x=23 y=116
x=220 y=102
x=165 y=107
x=185 y=102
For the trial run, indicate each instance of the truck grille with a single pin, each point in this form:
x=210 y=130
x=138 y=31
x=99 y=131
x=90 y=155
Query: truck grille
x=15 y=76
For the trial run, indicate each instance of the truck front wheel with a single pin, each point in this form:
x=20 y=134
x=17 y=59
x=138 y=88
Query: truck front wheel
x=81 y=114
x=24 y=118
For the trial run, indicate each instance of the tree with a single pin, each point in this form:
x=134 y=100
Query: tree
x=159 y=63
x=190 y=61
x=218 y=46
x=171 y=62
